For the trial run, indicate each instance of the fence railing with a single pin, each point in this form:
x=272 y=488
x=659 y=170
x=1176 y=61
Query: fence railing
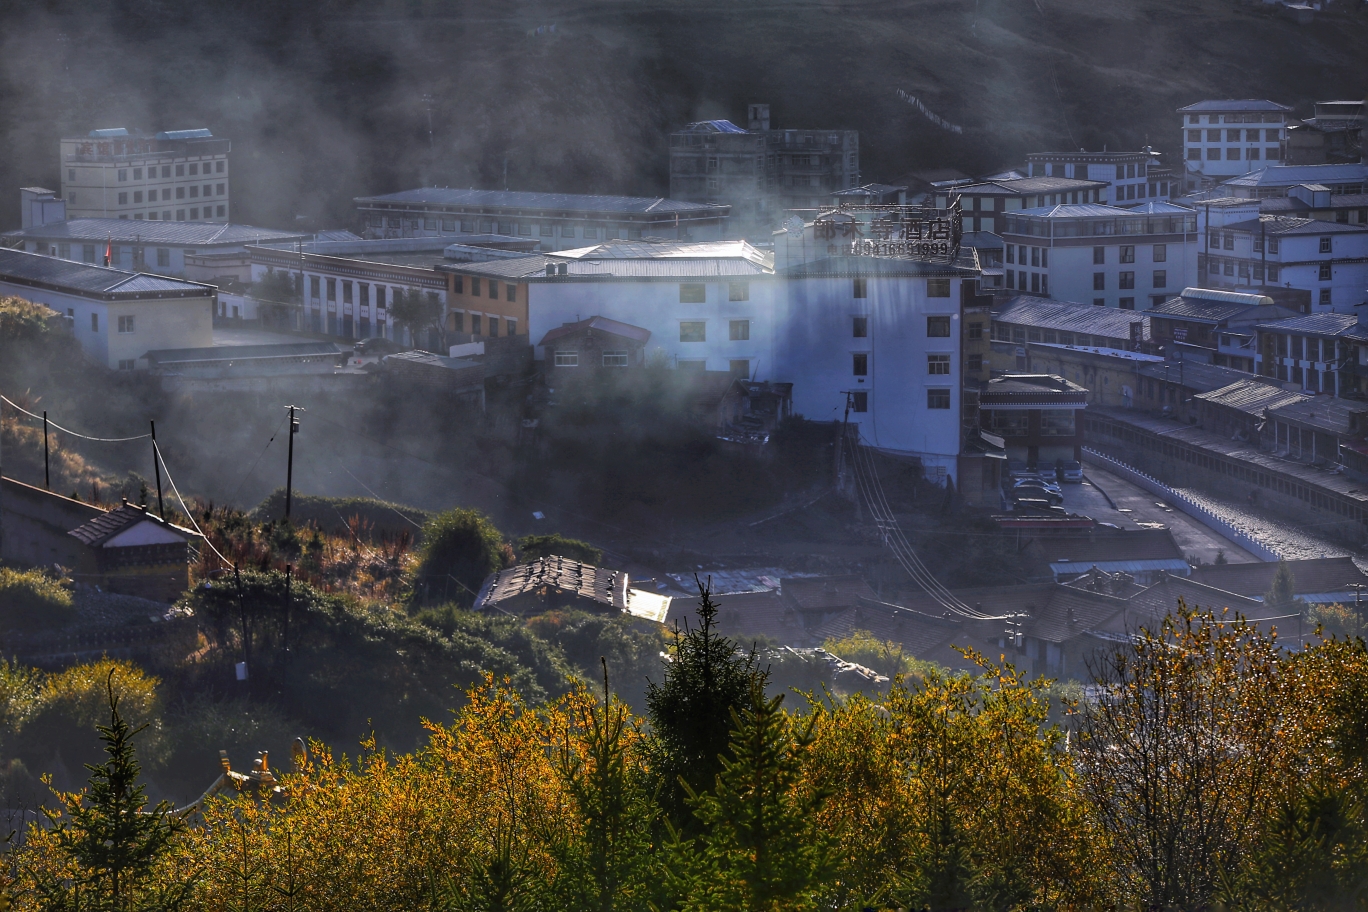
x=1183 y=504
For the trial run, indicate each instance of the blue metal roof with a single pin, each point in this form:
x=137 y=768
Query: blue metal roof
x=564 y=202
x=201 y=133
x=108 y=134
x=152 y=233
x=1291 y=175
x=1077 y=210
x=22 y=268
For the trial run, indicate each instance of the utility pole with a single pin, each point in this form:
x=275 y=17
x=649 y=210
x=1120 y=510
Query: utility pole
x=156 y=469
x=47 y=476
x=289 y=460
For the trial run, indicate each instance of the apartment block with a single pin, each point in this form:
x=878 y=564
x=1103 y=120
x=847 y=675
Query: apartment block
x=1224 y=139
x=177 y=175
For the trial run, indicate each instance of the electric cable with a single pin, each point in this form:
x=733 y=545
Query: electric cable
x=188 y=514
x=55 y=426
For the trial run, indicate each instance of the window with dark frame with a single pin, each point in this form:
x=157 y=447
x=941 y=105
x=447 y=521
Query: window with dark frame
x=860 y=288
x=693 y=331
x=938 y=399
x=860 y=327
x=738 y=330
x=859 y=364
x=859 y=401
x=938 y=327
x=938 y=365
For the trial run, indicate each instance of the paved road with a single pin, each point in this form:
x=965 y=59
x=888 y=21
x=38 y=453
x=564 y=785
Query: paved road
x=1137 y=508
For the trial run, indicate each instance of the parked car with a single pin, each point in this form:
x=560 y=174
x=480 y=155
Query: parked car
x=1035 y=493
x=1017 y=468
x=1039 y=483
x=1069 y=470
x=378 y=345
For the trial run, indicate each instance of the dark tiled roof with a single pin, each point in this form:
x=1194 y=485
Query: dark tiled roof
x=1233 y=105
x=607 y=587
x=603 y=324
x=152 y=233
x=551 y=202
x=1110 y=322
x=101 y=529
x=1325 y=574
x=1193 y=375
x=83 y=279
x=1204 y=311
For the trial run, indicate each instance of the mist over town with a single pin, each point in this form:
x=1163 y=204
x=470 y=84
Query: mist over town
x=830 y=455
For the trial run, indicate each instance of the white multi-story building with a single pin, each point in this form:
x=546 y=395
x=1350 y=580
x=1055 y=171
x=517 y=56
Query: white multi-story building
x=1133 y=177
x=877 y=335
x=1224 y=139
x=1327 y=259
x=1128 y=258
x=178 y=175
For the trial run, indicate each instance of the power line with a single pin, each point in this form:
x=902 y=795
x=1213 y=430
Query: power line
x=57 y=426
x=188 y=514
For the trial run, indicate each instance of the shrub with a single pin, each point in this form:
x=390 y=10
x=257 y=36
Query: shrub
x=32 y=600
x=460 y=548
x=631 y=647
x=532 y=547
x=887 y=658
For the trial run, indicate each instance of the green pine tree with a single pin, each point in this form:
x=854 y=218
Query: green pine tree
x=1282 y=594
x=106 y=830
x=691 y=710
x=762 y=849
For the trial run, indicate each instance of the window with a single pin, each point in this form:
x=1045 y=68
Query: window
x=739 y=367
x=938 y=288
x=860 y=288
x=194 y=169
x=859 y=401
x=1161 y=253
x=938 y=398
x=1194 y=135
x=510 y=292
x=588 y=232
x=1193 y=118
x=346 y=292
x=512 y=326
x=180 y=170
x=1325 y=245
x=571 y=358
x=1127 y=280
x=218 y=167
x=1274 y=244
x=1120 y=172
x=859 y=364
x=363 y=294
x=693 y=331
x=1057 y=422
x=859 y=327
x=1126 y=303
x=1213 y=154
x=87 y=253
x=379 y=294
x=738 y=291
x=475 y=286
x=691 y=364
x=938 y=364
x=493 y=327
x=568 y=231
x=1325 y=272
x=1194 y=154
x=938 y=327
x=180 y=215
x=1099 y=281
x=1325 y=297
x=95 y=322
x=126 y=325
x=127 y=364
x=475 y=324
x=137 y=196
x=1127 y=254
x=693 y=293
x=1099 y=302
x=123 y=199
x=1160 y=278
x=976 y=362
x=458 y=284
x=738 y=330
x=544 y=230
x=1035 y=256
x=220 y=211
x=163 y=258
x=180 y=193
x=194 y=191
x=1232 y=154
x=611 y=358
x=194 y=214
x=1099 y=255
x=208 y=189
x=166 y=195
x=975 y=330
x=1273 y=153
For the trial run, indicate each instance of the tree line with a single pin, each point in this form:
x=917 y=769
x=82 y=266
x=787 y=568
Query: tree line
x=1208 y=767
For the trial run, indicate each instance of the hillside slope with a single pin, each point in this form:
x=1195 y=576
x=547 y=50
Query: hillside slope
x=328 y=100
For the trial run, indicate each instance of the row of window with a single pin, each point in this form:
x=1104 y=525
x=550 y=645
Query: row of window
x=209 y=212
x=510 y=290
x=1225 y=240
x=1223 y=266
x=191 y=170
x=209 y=190
x=1006 y=332
x=456 y=320
x=1126 y=280
x=697 y=330
x=935 y=399
x=1080 y=171
x=1215 y=136
x=510 y=229
x=570 y=358
x=90 y=251
x=1236 y=118
x=1232 y=153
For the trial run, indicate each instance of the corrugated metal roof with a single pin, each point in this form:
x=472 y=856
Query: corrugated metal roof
x=1290 y=175
x=1022 y=185
x=1321 y=324
x=128 y=231
x=1193 y=375
x=1074 y=210
x=1233 y=105
x=626 y=330
x=1110 y=322
x=82 y=278
x=1227 y=297
x=1331 y=414
x=564 y=202
x=607 y=587
x=1203 y=311
x=1159 y=207
x=1286 y=225
x=1252 y=396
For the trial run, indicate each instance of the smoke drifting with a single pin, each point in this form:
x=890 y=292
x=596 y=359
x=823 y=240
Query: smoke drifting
x=325 y=101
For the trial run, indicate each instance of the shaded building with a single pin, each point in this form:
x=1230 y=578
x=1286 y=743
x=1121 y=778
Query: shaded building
x=1038 y=416
x=175 y=175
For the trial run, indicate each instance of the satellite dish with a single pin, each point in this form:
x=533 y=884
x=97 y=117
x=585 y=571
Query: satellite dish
x=794 y=226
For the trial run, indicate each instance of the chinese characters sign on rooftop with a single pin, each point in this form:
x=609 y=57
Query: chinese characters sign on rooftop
x=892 y=231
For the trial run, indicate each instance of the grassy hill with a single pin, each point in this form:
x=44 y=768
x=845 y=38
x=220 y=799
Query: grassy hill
x=328 y=100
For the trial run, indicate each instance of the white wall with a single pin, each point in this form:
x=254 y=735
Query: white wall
x=1071 y=270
